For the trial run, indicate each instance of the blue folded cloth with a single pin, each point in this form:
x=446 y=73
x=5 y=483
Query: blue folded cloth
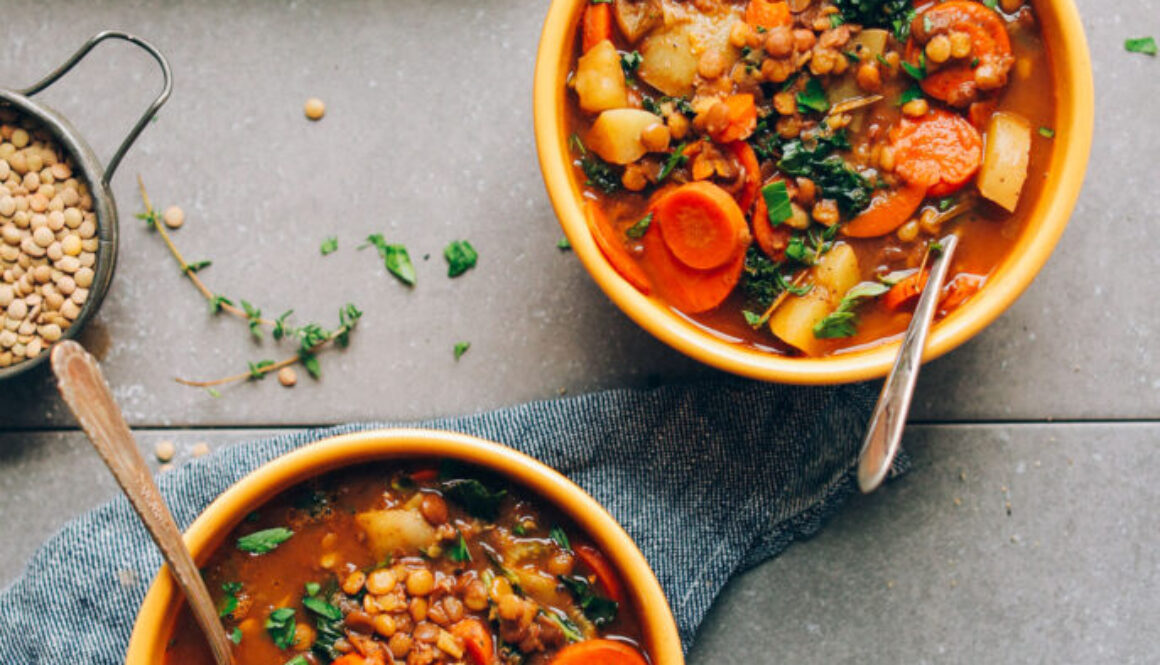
x=709 y=478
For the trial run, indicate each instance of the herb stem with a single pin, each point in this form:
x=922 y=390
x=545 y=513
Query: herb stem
x=285 y=362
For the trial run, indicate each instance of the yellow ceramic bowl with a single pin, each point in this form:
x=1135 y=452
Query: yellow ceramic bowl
x=158 y=613
x=1071 y=65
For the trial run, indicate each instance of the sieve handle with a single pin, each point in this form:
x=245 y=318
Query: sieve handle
x=166 y=73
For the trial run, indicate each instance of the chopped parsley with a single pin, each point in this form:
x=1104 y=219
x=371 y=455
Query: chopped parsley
x=843 y=321
x=460 y=349
x=893 y=14
x=280 y=625
x=637 y=230
x=598 y=172
x=236 y=635
x=1047 y=132
x=461 y=257
x=630 y=61
x=266 y=540
x=910 y=94
x=563 y=244
x=458 y=552
x=1145 y=45
x=557 y=534
x=230 y=602
x=322 y=608
x=812 y=98
x=395 y=258
x=676 y=158
x=312 y=588
x=329 y=246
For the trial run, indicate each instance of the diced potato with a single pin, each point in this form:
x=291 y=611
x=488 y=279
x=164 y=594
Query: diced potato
x=873 y=42
x=599 y=80
x=1005 y=159
x=615 y=135
x=392 y=532
x=668 y=63
x=637 y=17
x=793 y=322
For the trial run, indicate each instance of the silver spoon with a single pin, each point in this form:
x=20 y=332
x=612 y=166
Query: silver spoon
x=86 y=393
x=885 y=432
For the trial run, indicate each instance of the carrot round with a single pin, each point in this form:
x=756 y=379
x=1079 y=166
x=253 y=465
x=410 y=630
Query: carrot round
x=989 y=43
x=425 y=475
x=940 y=150
x=888 y=211
x=684 y=288
x=772 y=240
x=597 y=25
x=767 y=13
x=613 y=249
x=701 y=225
x=359 y=659
x=477 y=641
x=742 y=118
x=748 y=160
x=598 y=652
x=905 y=293
x=962 y=287
x=600 y=567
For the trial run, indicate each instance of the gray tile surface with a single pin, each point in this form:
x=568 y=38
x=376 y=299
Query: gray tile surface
x=403 y=152
x=1005 y=544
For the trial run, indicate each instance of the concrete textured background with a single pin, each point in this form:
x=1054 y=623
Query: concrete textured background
x=1052 y=409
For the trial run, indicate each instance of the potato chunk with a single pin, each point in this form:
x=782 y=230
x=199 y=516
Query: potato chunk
x=615 y=135
x=393 y=532
x=1005 y=159
x=636 y=17
x=834 y=275
x=668 y=63
x=599 y=80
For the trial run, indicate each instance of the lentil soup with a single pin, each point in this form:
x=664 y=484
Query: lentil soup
x=780 y=172
x=420 y=563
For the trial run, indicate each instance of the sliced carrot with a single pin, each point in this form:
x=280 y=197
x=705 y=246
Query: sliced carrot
x=425 y=475
x=771 y=239
x=748 y=160
x=961 y=288
x=939 y=150
x=701 y=224
x=742 y=118
x=888 y=211
x=613 y=249
x=688 y=290
x=955 y=82
x=477 y=641
x=905 y=293
x=600 y=567
x=359 y=659
x=768 y=13
x=597 y=25
x=598 y=652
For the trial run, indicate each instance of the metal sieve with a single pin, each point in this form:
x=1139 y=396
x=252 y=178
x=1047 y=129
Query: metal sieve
x=90 y=169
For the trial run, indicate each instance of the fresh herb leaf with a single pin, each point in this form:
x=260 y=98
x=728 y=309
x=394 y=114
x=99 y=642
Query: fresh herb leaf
x=843 y=321
x=680 y=104
x=753 y=319
x=236 y=635
x=910 y=94
x=217 y=302
x=328 y=632
x=461 y=257
x=918 y=72
x=348 y=317
x=878 y=14
x=213 y=392
x=813 y=98
x=599 y=610
x=280 y=625
x=280 y=329
x=944 y=204
x=563 y=244
x=796 y=249
x=310 y=362
x=329 y=246
x=254 y=317
x=830 y=173
x=836 y=20
x=676 y=158
x=151 y=218
x=395 y=257
x=990 y=4
x=892 y=278
x=298 y=660
x=458 y=552
x=1145 y=45
x=630 y=61
x=256 y=372
x=474 y=496
x=570 y=630
x=461 y=348
x=637 y=230
x=557 y=534
x=322 y=608
x=196 y=266
x=266 y=540
x=1047 y=132
x=312 y=588
x=777 y=202
x=230 y=601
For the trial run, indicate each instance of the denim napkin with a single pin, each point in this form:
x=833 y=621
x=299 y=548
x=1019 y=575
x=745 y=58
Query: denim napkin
x=709 y=478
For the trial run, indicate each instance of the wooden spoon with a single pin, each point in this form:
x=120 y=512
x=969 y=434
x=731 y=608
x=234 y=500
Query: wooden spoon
x=86 y=393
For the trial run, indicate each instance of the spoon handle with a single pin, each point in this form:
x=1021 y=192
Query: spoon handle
x=84 y=390
x=884 y=435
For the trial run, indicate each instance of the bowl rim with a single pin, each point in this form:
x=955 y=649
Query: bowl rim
x=158 y=611
x=1074 y=126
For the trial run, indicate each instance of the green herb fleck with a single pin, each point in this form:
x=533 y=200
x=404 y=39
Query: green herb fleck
x=909 y=95
x=458 y=552
x=461 y=257
x=217 y=302
x=1145 y=45
x=267 y=540
x=254 y=318
x=322 y=608
x=230 y=601
x=813 y=98
x=637 y=230
x=280 y=625
x=599 y=610
x=461 y=348
x=1047 y=132
x=256 y=372
x=236 y=635
x=557 y=534
x=197 y=266
x=395 y=257
x=676 y=158
x=843 y=321
x=777 y=202
x=329 y=246
x=312 y=588
x=563 y=244
x=630 y=61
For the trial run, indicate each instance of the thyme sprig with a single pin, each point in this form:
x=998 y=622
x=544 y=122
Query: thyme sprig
x=311 y=337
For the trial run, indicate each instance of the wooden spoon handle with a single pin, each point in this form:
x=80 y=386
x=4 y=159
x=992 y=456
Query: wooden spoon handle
x=84 y=390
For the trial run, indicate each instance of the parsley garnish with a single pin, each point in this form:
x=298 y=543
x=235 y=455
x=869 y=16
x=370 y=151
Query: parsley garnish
x=312 y=588
x=236 y=635
x=917 y=73
x=777 y=202
x=910 y=94
x=676 y=158
x=637 y=230
x=458 y=552
x=461 y=257
x=812 y=98
x=395 y=257
x=557 y=534
x=460 y=349
x=1145 y=45
x=563 y=244
x=630 y=61
x=267 y=540
x=230 y=602
x=1047 y=132
x=843 y=321
x=322 y=608
x=280 y=625
x=329 y=246
x=598 y=172
x=473 y=495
